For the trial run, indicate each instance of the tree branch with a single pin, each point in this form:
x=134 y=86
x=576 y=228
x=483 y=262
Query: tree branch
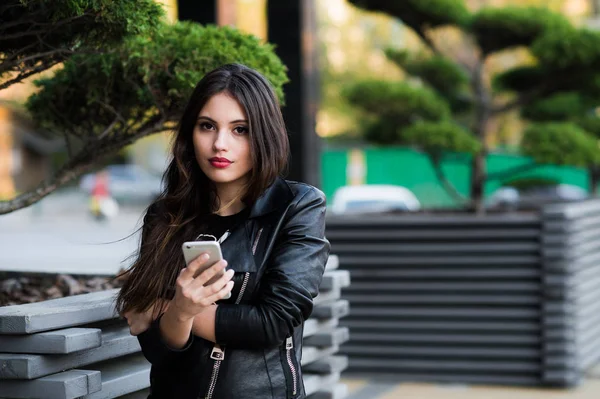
x=7 y=66
x=24 y=75
x=432 y=46
x=82 y=162
x=109 y=129
x=48 y=27
x=441 y=177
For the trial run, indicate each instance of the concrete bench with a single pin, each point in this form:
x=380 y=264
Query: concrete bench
x=77 y=347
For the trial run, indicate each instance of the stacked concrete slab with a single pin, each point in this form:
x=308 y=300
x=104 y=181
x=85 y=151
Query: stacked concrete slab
x=77 y=347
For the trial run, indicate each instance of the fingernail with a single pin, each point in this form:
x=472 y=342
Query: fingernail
x=205 y=256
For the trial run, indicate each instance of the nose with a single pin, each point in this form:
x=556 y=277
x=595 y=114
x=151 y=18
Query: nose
x=220 y=143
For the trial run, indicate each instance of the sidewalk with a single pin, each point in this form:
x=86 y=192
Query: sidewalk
x=383 y=389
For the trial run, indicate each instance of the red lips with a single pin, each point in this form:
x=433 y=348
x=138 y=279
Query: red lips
x=220 y=163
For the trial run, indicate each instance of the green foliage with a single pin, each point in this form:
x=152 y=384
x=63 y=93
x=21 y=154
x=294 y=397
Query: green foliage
x=578 y=50
x=590 y=123
x=501 y=28
x=36 y=34
x=398 y=102
x=439 y=137
x=146 y=78
x=418 y=13
x=560 y=144
x=390 y=106
x=559 y=107
x=440 y=73
x=181 y=54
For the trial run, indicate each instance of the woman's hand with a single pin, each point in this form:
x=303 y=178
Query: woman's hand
x=191 y=296
x=140 y=321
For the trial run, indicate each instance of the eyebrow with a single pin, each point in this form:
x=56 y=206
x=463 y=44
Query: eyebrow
x=215 y=122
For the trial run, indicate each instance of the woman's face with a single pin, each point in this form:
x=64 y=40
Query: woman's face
x=222 y=142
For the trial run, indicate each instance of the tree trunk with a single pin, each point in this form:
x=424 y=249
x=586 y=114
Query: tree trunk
x=477 y=181
x=594 y=177
x=483 y=112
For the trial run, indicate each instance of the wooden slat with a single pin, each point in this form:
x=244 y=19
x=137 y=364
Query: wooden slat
x=57 y=313
x=122 y=376
x=337 y=309
x=66 y=385
x=332 y=263
x=53 y=342
x=332 y=337
x=328 y=365
x=116 y=341
x=333 y=279
x=312 y=354
x=312 y=326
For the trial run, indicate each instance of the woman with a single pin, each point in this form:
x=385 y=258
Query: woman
x=223 y=182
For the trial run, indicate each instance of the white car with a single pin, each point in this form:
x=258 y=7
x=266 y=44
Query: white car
x=373 y=198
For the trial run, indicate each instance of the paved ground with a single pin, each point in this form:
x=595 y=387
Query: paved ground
x=60 y=236
x=385 y=389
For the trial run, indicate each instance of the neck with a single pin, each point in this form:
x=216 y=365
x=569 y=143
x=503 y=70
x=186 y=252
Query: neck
x=226 y=194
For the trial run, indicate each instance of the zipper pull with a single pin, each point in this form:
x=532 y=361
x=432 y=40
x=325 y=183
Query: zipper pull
x=289 y=343
x=217 y=353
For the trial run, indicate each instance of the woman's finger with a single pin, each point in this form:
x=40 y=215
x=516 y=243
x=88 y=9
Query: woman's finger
x=216 y=286
x=209 y=273
x=220 y=294
x=187 y=274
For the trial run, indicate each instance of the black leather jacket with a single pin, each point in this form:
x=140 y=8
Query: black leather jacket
x=279 y=255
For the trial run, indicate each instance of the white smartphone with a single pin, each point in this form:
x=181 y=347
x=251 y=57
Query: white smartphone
x=193 y=249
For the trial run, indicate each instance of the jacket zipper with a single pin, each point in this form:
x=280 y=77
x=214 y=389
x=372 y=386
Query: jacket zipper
x=256 y=241
x=243 y=288
x=289 y=345
x=218 y=353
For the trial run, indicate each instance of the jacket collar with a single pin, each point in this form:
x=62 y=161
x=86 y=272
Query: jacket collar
x=276 y=196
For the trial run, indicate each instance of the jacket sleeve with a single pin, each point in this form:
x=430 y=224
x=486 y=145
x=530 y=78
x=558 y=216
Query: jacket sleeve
x=159 y=354
x=288 y=286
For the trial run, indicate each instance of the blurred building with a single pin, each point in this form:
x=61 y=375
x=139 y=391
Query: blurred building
x=25 y=155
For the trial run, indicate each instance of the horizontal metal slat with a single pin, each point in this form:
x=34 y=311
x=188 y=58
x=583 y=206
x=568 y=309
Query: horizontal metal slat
x=442 y=287
x=443 y=326
x=454 y=234
x=473 y=366
x=414 y=248
x=349 y=261
x=441 y=338
x=459 y=312
x=446 y=299
x=446 y=352
x=439 y=273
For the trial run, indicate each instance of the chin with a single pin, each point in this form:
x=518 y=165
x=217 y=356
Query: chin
x=222 y=178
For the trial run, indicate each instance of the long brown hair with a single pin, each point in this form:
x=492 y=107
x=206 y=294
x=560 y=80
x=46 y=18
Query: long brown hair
x=189 y=193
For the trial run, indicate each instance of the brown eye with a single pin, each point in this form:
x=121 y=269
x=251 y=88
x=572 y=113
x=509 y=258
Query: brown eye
x=241 y=130
x=205 y=126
